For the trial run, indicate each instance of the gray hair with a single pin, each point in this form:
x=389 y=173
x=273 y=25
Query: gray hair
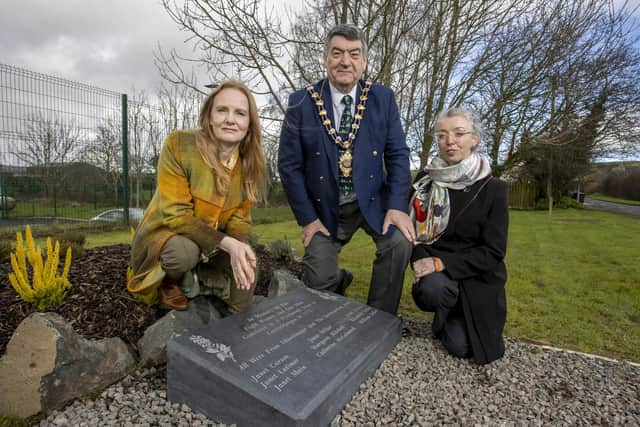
x=349 y=32
x=472 y=116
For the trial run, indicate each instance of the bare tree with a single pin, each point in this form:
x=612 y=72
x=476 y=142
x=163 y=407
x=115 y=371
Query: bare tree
x=431 y=52
x=563 y=87
x=179 y=106
x=154 y=132
x=552 y=68
x=105 y=151
x=48 y=144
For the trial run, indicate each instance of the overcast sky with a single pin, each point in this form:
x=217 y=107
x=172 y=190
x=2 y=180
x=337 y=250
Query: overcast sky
x=105 y=43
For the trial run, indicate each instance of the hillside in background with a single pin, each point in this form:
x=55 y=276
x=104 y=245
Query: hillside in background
x=615 y=179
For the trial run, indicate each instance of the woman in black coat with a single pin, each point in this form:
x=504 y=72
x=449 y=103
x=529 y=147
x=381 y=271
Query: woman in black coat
x=461 y=217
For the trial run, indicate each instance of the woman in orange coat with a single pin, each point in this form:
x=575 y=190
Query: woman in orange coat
x=200 y=215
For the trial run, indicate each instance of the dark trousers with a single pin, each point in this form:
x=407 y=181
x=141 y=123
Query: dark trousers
x=439 y=294
x=393 y=251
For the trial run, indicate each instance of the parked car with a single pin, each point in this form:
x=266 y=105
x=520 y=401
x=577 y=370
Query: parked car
x=116 y=215
x=7 y=203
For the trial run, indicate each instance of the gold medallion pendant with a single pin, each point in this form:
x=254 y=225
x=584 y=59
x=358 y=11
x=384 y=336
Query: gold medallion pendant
x=344 y=162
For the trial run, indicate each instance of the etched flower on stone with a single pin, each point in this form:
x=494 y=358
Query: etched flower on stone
x=222 y=351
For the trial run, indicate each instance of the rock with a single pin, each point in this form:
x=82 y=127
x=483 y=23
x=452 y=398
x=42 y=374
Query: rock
x=152 y=347
x=47 y=364
x=282 y=282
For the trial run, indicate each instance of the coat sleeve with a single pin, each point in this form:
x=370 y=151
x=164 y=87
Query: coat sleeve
x=492 y=247
x=396 y=159
x=176 y=201
x=291 y=163
x=239 y=225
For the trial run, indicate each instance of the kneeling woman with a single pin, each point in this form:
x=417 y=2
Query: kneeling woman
x=200 y=215
x=461 y=218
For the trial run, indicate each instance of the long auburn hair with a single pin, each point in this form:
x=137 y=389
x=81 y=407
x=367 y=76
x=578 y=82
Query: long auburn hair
x=254 y=171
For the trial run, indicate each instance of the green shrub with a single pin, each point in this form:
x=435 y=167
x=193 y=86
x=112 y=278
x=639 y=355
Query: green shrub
x=72 y=239
x=563 y=203
x=281 y=250
x=542 y=204
x=253 y=240
x=568 y=202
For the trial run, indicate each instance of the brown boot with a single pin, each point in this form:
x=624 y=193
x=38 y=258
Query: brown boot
x=172 y=297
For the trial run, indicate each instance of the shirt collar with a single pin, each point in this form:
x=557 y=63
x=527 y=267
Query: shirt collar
x=336 y=95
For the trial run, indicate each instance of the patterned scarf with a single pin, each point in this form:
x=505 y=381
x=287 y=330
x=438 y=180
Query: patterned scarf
x=430 y=207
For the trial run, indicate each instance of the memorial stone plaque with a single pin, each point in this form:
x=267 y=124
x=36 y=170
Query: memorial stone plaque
x=294 y=360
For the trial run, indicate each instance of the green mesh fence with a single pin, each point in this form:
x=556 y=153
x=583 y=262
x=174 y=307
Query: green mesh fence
x=61 y=148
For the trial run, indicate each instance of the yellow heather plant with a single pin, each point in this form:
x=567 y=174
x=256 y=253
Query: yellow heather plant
x=47 y=288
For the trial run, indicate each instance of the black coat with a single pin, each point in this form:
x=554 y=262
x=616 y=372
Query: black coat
x=472 y=249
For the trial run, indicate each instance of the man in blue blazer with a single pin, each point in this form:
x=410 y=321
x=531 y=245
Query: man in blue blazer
x=344 y=165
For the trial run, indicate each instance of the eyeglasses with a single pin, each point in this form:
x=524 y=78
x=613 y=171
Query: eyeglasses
x=456 y=136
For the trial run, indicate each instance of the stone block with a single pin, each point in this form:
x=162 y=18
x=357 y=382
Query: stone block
x=47 y=364
x=152 y=347
x=295 y=360
x=283 y=281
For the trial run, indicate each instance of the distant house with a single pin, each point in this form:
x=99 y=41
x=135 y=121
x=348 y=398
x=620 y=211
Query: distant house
x=13 y=170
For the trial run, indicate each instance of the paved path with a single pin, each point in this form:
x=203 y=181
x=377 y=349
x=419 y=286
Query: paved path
x=611 y=207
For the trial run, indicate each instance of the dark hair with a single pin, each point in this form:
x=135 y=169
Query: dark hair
x=349 y=32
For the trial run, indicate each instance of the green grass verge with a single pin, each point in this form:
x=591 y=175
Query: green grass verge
x=574 y=280
x=45 y=208
x=605 y=198
x=271 y=215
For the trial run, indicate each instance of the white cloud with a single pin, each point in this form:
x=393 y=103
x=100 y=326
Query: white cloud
x=109 y=44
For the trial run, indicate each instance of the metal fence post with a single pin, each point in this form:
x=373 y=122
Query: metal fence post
x=125 y=159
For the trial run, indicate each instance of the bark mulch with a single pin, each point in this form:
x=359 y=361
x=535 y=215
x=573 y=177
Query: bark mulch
x=98 y=304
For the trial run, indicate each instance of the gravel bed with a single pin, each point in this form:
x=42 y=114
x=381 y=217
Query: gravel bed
x=420 y=385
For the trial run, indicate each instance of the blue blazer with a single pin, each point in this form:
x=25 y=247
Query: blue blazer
x=308 y=159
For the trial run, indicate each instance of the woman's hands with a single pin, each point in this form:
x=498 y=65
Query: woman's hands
x=243 y=261
x=426 y=266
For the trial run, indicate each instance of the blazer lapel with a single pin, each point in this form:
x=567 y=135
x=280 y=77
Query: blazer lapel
x=322 y=87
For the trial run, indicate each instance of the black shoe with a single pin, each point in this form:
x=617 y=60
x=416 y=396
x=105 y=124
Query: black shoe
x=347 y=278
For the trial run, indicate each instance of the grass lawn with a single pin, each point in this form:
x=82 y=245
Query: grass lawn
x=574 y=281
x=604 y=198
x=45 y=208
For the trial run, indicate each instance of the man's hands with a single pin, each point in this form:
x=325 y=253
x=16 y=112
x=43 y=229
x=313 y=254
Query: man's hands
x=243 y=261
x=312 y=228
x=398 y=218
x=402 y=221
